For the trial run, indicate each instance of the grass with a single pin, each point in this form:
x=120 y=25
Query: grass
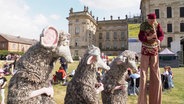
x=173 y=96
x=133 y=30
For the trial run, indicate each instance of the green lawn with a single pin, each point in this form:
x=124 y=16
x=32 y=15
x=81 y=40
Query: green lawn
x=133 y=30
x=174 y=96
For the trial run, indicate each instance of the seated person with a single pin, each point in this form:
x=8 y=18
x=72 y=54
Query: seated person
x=60 y=75
x=6 y=68
x=61 y=70
x=164 y=77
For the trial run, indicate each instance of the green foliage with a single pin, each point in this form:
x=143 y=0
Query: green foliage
x=6 y=52
x=133 y=30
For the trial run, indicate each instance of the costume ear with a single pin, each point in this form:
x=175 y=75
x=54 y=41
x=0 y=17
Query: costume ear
x=49 y=37
x=91 y=59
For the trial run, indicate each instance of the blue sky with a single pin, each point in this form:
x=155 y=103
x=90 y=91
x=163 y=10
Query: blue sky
x=27 y=18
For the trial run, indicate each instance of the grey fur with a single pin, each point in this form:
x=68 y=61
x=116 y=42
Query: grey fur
x=116 y=77
x=81 y=89
x=33 y=72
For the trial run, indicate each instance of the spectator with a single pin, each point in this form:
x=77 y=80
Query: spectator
x=99 y=75
x=134 y=83
x=6 y=68
x=8 y=57
x=138 y=70
x=136 y=58
x=170 y=77
x=3 y=82
x=60 y=76
x=64 y=63
x=64 y=75
x=129 y=72
x=166 y=78
x=128 y=79
x=13 y=65
x=165 y=73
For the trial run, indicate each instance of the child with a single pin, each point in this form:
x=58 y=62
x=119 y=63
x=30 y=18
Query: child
x=170 y=77
x=3 y=82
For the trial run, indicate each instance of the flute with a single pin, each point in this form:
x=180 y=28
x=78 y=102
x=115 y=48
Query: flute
x=154 y=29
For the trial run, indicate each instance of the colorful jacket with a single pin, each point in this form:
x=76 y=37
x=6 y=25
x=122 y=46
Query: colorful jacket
x=150 y=47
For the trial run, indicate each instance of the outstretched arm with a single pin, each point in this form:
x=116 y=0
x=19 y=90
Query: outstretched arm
x=122 y=87
x=48 y=91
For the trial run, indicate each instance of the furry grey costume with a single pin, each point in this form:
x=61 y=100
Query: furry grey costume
x=34 y=69
x=81 y=89
x=115 y=90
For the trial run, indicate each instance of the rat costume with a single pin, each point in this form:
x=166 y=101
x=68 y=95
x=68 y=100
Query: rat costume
x=150 y=59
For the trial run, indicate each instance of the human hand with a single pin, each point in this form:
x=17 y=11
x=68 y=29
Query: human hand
x=152 y=37
x=49 y=91
x=100 y=88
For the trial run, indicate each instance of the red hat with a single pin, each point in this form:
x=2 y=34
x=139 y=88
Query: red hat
x=152 y=16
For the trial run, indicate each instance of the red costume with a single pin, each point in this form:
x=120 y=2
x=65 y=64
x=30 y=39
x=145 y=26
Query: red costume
x=150 y=35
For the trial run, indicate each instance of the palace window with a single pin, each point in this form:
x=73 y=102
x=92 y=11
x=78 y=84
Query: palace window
x=115 y=44
x=169 y=12
x=122 y=35
x=77 y=30
x=181 y=11
x=115 y=36
x=100 y=45
x=107 y=36
x=169 y=27
x=123 y=45
x=100 y=35
x=181 y=27
x=76 y=42
x=107 y=45
x=169 y=40
x=157 y=13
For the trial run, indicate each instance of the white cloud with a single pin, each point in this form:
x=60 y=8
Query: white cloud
x=111 y=5
x=40 y=19
x=116 y=8
x=16 y=20
x=55 y=17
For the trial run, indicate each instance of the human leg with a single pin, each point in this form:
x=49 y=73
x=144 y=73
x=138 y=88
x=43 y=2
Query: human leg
x=2 y=96
x=155 y=91
x=170 y=81
x=144 y=68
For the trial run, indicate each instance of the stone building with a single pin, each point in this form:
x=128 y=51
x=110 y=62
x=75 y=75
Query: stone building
x=111 y=36
x=15 y=43
x=170 y=14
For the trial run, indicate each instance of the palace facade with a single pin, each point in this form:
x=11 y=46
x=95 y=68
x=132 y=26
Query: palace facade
x=111 y=36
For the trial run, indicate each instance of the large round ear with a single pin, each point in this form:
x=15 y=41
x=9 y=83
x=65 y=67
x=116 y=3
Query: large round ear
x=91 y=59
x=49 y=37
